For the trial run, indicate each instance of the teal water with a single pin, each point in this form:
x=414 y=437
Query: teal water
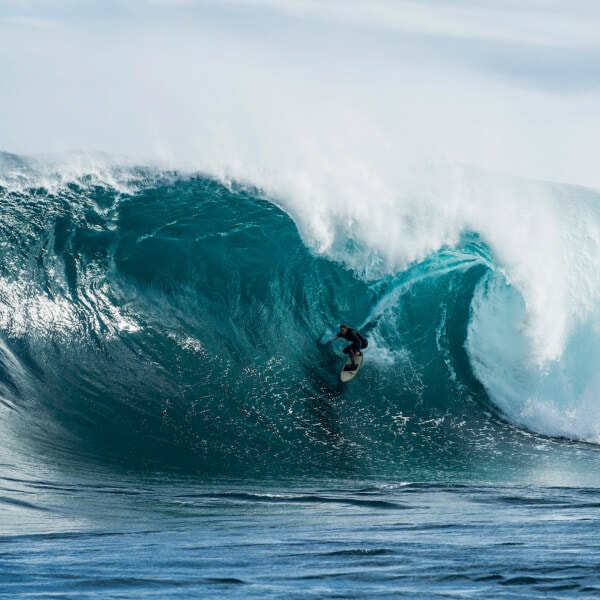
x=138 y=538
x=172 y=425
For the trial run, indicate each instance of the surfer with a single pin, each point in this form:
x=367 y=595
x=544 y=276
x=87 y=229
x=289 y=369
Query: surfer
x=354 y=349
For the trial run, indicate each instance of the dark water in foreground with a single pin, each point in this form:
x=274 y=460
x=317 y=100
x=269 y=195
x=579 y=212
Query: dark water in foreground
x=181 y=540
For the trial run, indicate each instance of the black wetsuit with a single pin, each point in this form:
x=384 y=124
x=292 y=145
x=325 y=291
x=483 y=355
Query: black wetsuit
x=358 y=341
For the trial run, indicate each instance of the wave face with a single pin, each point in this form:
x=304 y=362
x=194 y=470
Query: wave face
x=155 y=320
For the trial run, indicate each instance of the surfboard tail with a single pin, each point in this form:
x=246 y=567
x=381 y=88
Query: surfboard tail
x=347 y=374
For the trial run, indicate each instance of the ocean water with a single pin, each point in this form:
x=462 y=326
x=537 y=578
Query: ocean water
x=172 y=424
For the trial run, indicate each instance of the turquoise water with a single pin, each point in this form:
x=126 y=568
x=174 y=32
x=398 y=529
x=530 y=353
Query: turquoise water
x=172 y=425
x=170 y=538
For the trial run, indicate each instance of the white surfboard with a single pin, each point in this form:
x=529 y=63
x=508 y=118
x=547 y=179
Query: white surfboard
x=348 y=375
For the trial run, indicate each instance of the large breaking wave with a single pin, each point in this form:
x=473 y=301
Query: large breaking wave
x=170 y=321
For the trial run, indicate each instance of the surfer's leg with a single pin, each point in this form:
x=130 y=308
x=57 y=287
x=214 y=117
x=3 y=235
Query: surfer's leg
x=352 y=353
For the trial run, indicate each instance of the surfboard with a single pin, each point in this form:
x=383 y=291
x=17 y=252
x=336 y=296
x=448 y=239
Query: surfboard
x=348 y=375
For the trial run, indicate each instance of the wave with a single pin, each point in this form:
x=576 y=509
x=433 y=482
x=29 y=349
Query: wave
x=163 y=320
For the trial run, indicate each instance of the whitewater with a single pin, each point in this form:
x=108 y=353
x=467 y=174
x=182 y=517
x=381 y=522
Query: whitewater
x=193 y=197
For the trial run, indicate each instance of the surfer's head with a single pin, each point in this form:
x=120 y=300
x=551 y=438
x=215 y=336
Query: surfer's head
x=343 y=328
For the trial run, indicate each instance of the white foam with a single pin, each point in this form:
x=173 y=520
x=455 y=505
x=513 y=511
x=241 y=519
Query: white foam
x=558 y=397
